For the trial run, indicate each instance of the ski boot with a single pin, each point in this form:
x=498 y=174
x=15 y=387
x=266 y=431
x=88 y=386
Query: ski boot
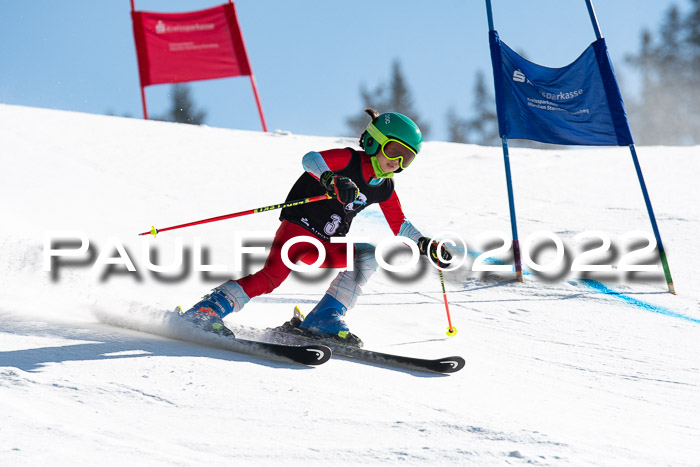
x=325 y=321
x=207 y=314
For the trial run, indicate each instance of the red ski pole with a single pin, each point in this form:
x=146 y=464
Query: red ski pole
x=288 y=204
x=451 y=330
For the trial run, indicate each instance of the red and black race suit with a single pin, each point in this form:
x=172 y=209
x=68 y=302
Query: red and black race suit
x=331 y=218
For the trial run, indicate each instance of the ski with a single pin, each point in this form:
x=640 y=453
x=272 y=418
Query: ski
x=306 y=354
x=290 y=333
x=445 y=365
x=439 y=365
x=171 y=325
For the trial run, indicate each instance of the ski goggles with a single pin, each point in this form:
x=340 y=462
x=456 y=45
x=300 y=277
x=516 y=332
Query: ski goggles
x=403 y=153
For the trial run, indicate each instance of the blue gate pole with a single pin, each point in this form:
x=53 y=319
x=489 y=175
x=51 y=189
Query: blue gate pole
x=594 y=19
x=509 y=183
x=511 y=205
x=489 y=14
x=652 y=218
x=638 y=168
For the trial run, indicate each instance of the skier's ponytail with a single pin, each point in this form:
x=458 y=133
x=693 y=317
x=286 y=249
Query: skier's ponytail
x=374 y=115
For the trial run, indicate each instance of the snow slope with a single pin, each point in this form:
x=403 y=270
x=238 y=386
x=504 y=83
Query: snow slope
x=563 y=369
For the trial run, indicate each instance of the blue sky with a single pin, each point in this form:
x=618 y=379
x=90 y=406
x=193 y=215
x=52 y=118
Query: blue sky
x=309 y=57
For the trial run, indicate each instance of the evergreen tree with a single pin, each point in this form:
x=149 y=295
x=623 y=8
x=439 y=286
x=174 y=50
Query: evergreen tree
x=484 y=126
x=482 y=129
x=373 y=99
x=457 y=128
x=666 y=112
x=394 y=97
x=182 y=108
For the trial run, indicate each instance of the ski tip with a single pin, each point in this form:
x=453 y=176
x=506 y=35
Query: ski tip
x=451 y=364
x=319 y=354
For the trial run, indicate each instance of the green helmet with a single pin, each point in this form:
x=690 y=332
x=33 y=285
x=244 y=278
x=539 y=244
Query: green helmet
x=391 y=125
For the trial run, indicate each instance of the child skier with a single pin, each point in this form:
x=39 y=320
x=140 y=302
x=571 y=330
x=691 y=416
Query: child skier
x=354 y=179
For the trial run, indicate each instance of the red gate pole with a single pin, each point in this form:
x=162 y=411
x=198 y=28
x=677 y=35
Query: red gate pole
x=143 y=92
x=252 y=78
x=257 y=101
x=143 y=103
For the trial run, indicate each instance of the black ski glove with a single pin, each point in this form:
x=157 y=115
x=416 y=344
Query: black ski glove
x=340 y=187
x=429 y=248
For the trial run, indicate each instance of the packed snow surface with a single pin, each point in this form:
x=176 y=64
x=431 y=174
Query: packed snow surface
x=566 y=368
